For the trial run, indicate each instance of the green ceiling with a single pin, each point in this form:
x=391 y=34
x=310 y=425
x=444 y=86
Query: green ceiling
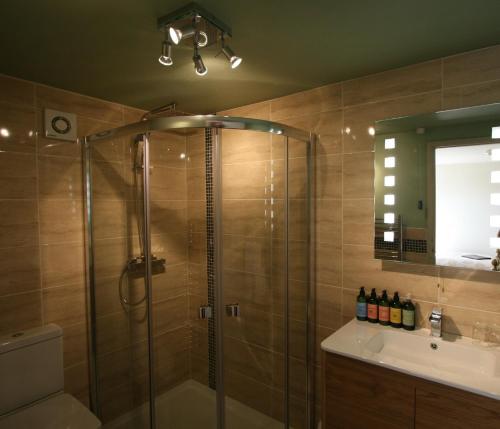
x=109 y=48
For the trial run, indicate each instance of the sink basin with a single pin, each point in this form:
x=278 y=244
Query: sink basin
x=458 y=362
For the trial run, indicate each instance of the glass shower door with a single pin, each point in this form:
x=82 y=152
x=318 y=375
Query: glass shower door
x=118 y=284
x=265 y=280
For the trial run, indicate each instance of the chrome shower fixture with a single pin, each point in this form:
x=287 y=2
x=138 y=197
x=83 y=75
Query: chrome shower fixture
x=194 y=21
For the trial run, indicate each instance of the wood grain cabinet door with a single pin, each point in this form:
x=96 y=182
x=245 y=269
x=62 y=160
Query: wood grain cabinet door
x=364 y=396
x=440 y=407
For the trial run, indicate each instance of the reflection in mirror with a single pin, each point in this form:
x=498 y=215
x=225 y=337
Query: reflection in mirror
x=437 y=188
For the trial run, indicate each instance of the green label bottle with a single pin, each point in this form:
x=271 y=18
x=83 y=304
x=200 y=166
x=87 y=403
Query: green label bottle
x=396 y=312
x=384 y=309
x=408 y=314
x=373 y=307
x=361 y=310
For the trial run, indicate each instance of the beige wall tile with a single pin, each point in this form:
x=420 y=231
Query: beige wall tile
x=168 y=215
x=247 y=180
x=60 y=221
x=114 y=218
x=470 y=294
x=110 y=180
x=472 y=67
x=471 y=95
x=245 y=146
x=75 y=344
x=52 y=98
x=167 y=149
x=18 y=312
x=20 y=122
x=248 y=217
x=329 y=306
x=20 y=268
x=358 y=177
x=423 y=77
x=360 y=269
x=195 y=148
x=327 y=126
x=19 y=226
x=76 y=380
x=60 y=177
x=248 y=254
x=255 y=111
x=196 y=184
x=168 y=184
x=17 y=91
x=248 y=290
x=62 y=264
x=329 y=263
x=17 y=175
x=171 y=283
x=329 y=177
x=64 y=305
x=329 y=220
x=316 y=100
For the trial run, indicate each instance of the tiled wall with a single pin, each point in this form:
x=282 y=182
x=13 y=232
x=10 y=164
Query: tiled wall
x=345 y=192
x=41 y=232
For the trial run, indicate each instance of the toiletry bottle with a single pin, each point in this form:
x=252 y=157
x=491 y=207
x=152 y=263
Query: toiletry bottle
x=396 y=313
x=373 y=307
x=383 y=309
x=408 y=314
x=361 y=311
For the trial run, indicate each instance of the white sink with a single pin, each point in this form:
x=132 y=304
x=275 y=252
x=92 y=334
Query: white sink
x=458 y=362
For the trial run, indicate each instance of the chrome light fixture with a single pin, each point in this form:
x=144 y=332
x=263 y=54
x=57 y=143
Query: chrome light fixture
x=199 y=66
x=229 y=54
x=177 y=35
x=193 y=21
x=166 y=54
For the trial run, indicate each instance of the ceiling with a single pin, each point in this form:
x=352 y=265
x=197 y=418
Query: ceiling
x=109 y=48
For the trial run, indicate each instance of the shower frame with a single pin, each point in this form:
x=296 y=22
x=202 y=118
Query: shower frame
x=215 y=123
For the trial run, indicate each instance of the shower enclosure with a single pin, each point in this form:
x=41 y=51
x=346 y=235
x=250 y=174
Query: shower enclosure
x=200 y=274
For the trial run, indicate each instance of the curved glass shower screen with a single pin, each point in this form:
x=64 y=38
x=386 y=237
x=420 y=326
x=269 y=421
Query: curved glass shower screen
x=200 y=271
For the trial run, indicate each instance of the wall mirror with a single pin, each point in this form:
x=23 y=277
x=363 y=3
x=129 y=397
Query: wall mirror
x=437 y=188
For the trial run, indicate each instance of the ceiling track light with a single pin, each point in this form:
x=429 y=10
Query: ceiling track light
x=166 y=53
x=177 y=35
x=193 y=21
x=229 y=54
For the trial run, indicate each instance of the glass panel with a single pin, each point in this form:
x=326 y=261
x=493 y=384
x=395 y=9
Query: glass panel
x=179 y=235
x=119 y=286
x=252 y=192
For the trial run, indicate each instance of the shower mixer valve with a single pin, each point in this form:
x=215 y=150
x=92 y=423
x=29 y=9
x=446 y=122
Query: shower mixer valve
x=137 y=265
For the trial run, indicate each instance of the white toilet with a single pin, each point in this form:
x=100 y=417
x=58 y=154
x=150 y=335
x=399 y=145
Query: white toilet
x=32 y=381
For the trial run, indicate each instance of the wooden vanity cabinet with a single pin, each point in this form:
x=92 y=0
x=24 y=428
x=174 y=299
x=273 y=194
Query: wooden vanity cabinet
x=359 y=395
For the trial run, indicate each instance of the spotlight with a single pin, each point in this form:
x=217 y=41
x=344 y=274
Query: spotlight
x=176 y=35
x=202 y=39
x=199 y=67
x=166 y=54
x=233 y=59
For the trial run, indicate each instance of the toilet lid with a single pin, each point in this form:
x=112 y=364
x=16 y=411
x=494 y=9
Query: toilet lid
x=60 y=412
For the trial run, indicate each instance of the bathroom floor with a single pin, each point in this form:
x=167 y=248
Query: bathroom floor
x=190 y=405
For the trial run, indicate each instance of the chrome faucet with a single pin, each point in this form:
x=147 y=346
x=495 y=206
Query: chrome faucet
x=436 y=319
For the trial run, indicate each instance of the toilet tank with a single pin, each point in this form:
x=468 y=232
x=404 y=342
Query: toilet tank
x=31 y=366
